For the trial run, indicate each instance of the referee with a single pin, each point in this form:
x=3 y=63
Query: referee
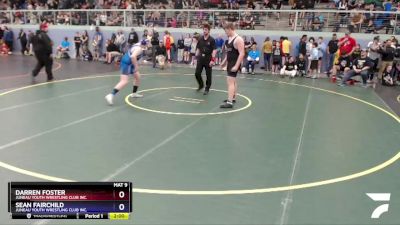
x=205 y=53
x=42 y=46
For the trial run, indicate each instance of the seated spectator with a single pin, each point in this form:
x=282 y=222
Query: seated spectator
x=253 y=58
x=318 y=22
x=370 y=29
x=387 y=78
x=161 y=54
x=341 y=67
x=3 y=48
x=63 y=49
x=86 y=54
x=356 y=21
x=395 y=73
x=8 y=37
x=301 y=66
x=290 y=68
x=248 y=21
x=361 y=67
x=112 y=51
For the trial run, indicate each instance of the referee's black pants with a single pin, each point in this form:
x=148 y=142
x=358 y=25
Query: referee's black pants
x=203 y=63
x=46 y=61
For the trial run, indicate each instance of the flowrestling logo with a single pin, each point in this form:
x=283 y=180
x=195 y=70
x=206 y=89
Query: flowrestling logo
x=380 y=197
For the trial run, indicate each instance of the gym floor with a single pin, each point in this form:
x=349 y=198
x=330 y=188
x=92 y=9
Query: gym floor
x=291 y=151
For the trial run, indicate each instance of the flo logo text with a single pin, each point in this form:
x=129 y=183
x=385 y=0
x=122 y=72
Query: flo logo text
x=382 y=198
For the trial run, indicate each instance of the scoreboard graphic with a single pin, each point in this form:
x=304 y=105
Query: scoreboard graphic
x=70 y=200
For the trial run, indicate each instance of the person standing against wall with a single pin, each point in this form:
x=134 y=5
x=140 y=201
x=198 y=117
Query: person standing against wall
x=24 y=42
x=77 y=41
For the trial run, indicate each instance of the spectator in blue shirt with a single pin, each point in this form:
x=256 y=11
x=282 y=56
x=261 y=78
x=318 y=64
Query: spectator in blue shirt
x=219 y=43
x=253 y=58
x=63 y=48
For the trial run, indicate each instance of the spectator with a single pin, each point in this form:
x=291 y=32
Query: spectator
x=154 y=45
x=321 y=55
x=85 y=40
x=133 y=37
x=356 y=21
x=387 y=77
x=248 y=21
x=360 y=67
x=24 y=42
x=63 y=49
x=193 y=49
x=2 y=29
x=301 y=66
x=112 y=52
x=341 y=67
x=371 y=27
x=30 y=44
x=387 y=53
x=120 y=40
x=9 y=39
x=161 y=54
x=286 y=49
x=347 y=45
x=278 y=7
x=169 y=41
x=181 y=48
x=97 y=44
x=267 y=50
x=4 y=50
x=342 y=6
x=374 y=55
x=276 y=57
x=186 y=51
x=289 y=68
x=395 y=73
x=332 y=50
x=309 y=47
x=356 y=53
x=314 y=56
x=318 y=22
x=219 y=43
x=303 y=46
x=86 y=54
x=78 y=43
x=253 y=58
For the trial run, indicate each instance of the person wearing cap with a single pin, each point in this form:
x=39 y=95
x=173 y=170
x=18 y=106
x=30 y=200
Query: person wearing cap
x=43 y=49
x=205 y=53
x=129 y=66
x=360 y=67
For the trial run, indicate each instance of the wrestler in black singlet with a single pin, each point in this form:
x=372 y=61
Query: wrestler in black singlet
x=232 y=54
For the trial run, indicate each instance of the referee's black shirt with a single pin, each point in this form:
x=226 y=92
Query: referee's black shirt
x=206 y=47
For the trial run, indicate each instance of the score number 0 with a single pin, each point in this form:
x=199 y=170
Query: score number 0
x=121 y=194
